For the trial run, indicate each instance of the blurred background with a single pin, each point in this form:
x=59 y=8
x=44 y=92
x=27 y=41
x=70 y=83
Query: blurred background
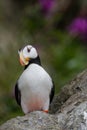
x=57 y=28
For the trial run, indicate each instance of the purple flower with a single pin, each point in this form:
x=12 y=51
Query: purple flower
x=47 y=5
x=78 y=27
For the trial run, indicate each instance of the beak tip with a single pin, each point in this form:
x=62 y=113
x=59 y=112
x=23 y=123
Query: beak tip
x=21 y=62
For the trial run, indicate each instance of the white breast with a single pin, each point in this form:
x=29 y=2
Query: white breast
x=35 y=85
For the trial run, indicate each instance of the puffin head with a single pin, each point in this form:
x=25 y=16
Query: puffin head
x=27 y=54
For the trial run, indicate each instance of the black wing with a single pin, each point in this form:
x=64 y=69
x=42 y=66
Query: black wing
x=52 y=93
x=17 y=94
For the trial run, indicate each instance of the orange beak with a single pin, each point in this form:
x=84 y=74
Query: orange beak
x=23 y=61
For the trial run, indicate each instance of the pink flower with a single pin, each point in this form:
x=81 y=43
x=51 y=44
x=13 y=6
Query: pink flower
x=47 y=5
x=78 y=27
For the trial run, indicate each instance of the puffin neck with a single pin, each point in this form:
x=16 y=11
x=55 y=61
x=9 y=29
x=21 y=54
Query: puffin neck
x=35 y=61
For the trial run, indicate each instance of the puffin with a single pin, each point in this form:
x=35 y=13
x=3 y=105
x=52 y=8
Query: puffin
x=34 y=89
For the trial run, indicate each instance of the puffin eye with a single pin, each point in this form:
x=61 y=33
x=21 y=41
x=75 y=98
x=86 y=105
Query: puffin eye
x=28 y=50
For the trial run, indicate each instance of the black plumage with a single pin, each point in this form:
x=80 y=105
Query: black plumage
x=52 y=93
x=17 y=94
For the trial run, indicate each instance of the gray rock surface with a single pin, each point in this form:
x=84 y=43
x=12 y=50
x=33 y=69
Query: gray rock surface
x=33 y=121
x=68 y=110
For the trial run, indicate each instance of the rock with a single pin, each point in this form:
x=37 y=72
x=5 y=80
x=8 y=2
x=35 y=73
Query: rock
x=78 y=84
x=68 y=110
x=33 y=121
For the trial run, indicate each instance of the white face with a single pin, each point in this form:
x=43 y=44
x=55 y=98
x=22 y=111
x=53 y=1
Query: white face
x=29 y=52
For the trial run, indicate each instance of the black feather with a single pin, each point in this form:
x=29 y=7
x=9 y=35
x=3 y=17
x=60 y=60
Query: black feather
x=36 y=61
x=52 y=93
x=17 y=94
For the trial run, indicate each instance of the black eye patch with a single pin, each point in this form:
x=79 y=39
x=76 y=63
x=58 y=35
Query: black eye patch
x=28 y=50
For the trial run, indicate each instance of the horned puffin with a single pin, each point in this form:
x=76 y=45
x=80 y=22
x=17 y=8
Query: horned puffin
x=34 y=90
